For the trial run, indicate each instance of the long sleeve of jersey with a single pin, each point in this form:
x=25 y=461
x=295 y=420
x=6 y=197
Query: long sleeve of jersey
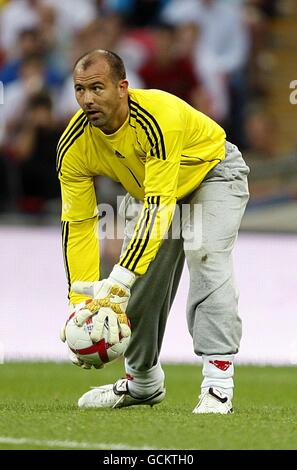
x=80 y=239
x=81 y=253
x=160 y=185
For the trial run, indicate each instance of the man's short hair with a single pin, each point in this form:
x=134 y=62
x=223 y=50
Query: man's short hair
x=117 y=68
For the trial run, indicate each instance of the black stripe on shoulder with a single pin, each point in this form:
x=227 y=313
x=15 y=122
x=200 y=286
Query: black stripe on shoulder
x=70 y=142
x=146 y=124
x=135 y=116
x=154 y=121
x=67 y=132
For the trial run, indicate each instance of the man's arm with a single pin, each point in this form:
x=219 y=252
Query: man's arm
x=80 y=239
x=161 y=177
x=81 y=253
x=111 y=295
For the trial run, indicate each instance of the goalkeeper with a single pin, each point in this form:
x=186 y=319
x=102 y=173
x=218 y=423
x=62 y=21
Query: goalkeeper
x=166 y=155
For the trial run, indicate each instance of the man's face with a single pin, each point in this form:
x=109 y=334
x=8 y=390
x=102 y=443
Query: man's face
x=97 y=94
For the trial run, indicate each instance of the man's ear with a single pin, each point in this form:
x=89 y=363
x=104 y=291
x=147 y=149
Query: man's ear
x=123 y=88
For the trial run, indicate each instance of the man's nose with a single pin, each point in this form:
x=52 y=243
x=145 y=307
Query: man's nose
x=88 y=98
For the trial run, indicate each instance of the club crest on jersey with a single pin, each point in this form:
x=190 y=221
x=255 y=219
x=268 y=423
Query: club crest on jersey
x=223 y=365
x=118 y=154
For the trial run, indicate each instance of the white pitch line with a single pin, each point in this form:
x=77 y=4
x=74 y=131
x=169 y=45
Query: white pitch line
x=69 y=444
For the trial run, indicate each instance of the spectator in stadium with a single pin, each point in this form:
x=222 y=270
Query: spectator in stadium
x=34 y=147
x=220 y=57
x=166 y=69
x=165 y=154
x=262 y=135
x=138 y=13
x=30 y=44
x=69 y=16
x=15 y=17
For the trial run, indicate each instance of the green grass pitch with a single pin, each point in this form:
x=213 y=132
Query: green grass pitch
x=38 y=411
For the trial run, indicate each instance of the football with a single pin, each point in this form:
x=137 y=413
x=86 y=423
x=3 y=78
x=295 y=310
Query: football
x=96 y=354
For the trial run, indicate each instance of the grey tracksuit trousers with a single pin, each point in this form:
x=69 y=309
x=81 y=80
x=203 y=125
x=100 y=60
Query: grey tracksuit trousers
x=212 y=304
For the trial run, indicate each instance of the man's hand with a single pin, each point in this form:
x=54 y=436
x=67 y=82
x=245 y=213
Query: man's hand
x=77 y=361
x=110 y=300
x=73 y=309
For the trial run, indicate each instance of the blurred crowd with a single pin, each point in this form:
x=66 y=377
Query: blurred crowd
x=204 y=51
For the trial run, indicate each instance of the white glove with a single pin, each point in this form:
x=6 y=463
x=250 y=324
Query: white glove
x=111 y=298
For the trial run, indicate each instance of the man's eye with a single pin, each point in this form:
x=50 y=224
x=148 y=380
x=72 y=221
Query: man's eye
x=97 y=88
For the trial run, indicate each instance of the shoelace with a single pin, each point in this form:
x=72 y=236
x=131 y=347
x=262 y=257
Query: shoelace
x=121 y=398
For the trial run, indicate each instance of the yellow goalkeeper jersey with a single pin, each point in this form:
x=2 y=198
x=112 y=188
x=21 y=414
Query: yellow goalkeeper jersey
x=160 y=154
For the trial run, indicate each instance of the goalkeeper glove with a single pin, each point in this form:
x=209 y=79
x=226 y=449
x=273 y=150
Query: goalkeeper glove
x=110 y=299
